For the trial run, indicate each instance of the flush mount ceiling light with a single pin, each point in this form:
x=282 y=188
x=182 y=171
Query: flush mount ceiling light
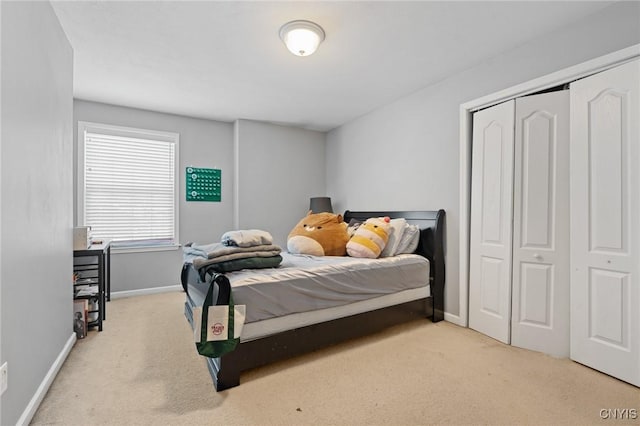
x=301 y=37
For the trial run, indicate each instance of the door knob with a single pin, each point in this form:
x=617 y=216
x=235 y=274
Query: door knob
x=537 y=256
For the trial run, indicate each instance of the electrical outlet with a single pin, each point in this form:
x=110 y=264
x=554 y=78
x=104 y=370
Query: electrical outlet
x=4 y=371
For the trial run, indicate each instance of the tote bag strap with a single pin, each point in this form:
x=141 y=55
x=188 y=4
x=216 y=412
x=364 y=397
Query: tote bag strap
x=224 y=289
x=224 y=298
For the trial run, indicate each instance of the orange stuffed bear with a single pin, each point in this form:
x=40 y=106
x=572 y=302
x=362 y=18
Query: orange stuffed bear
x=319 y=234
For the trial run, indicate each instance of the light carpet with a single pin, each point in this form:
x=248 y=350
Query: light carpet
x=143 y=369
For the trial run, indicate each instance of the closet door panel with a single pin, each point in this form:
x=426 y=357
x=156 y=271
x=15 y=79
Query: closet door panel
x=535 y=156
x=540 y=319
x=605 y=226
x=607 y=174
x=609 y=296
x=491 y=212
x=536 y=301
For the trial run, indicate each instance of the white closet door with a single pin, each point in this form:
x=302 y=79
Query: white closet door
x=605 y=221
x=491 y=213
x=540 y=300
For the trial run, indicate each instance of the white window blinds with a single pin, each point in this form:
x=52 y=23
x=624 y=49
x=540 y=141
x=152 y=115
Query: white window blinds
x=130 y=186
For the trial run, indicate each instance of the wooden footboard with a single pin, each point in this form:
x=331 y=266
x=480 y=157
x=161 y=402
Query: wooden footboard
x=225 y=371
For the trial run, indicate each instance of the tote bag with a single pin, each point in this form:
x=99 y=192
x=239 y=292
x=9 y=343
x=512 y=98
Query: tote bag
x=217 y=326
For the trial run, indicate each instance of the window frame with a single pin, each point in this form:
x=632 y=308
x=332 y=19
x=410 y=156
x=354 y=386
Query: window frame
x=116 y=130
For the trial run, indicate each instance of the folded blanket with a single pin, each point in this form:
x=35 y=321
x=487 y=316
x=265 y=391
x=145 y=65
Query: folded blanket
x=247 y=263
x=200 y=262
x=191 y=250
x=211 y=251
x=247 y=238
x=203 y=255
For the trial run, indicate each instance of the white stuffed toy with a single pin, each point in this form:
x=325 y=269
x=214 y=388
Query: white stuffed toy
x=370 y=238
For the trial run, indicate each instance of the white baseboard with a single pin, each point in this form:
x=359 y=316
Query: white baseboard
x=145 y=291
x=455 y=319
x=37 y=398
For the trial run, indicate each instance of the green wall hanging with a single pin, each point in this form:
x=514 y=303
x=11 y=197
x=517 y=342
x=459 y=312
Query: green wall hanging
x=204 y=184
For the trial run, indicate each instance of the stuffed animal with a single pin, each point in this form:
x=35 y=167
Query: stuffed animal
x=319 y=234
x=370 y=238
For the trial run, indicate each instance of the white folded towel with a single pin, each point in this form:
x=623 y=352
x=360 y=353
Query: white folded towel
x=247 y=238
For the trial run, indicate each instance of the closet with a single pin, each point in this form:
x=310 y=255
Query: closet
x=519 y=265
x=605 y=222
x=555 y=222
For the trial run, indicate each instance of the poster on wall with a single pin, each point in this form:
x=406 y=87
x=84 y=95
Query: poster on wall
x=203 y=184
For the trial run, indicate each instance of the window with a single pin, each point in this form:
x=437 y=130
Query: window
x=127 y=185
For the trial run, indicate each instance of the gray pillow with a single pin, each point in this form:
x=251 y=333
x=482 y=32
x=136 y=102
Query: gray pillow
x=409 y=241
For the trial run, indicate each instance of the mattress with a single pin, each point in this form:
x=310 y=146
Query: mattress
x=258 y=329
x=306 y=283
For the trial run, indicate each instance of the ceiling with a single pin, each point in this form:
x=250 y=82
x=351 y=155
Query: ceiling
x=223 y=60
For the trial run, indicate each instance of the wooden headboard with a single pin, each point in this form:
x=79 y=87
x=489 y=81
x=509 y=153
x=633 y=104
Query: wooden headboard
x=431 y=245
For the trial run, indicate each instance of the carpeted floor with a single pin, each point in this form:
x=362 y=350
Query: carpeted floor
x=143 y=369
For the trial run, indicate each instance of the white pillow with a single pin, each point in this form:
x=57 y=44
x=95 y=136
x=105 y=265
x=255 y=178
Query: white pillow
x=396 y=230
x=409 y=241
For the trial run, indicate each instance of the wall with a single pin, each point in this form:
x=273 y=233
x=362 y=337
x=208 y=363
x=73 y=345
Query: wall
x=414 y=142
x=278 y=169
x=1 y=357
x=270 y=170
x=36 y=194
x=203 y=143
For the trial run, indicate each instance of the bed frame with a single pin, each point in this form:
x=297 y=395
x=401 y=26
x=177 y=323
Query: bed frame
x=225 y=371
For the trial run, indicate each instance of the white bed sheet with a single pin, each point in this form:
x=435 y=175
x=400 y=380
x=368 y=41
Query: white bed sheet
x=304 y=284
x=258 y=329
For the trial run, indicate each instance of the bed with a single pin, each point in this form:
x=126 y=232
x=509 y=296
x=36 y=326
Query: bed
x=272 y=334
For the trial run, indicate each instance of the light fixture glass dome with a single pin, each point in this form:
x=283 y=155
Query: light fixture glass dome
x=301 y=37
